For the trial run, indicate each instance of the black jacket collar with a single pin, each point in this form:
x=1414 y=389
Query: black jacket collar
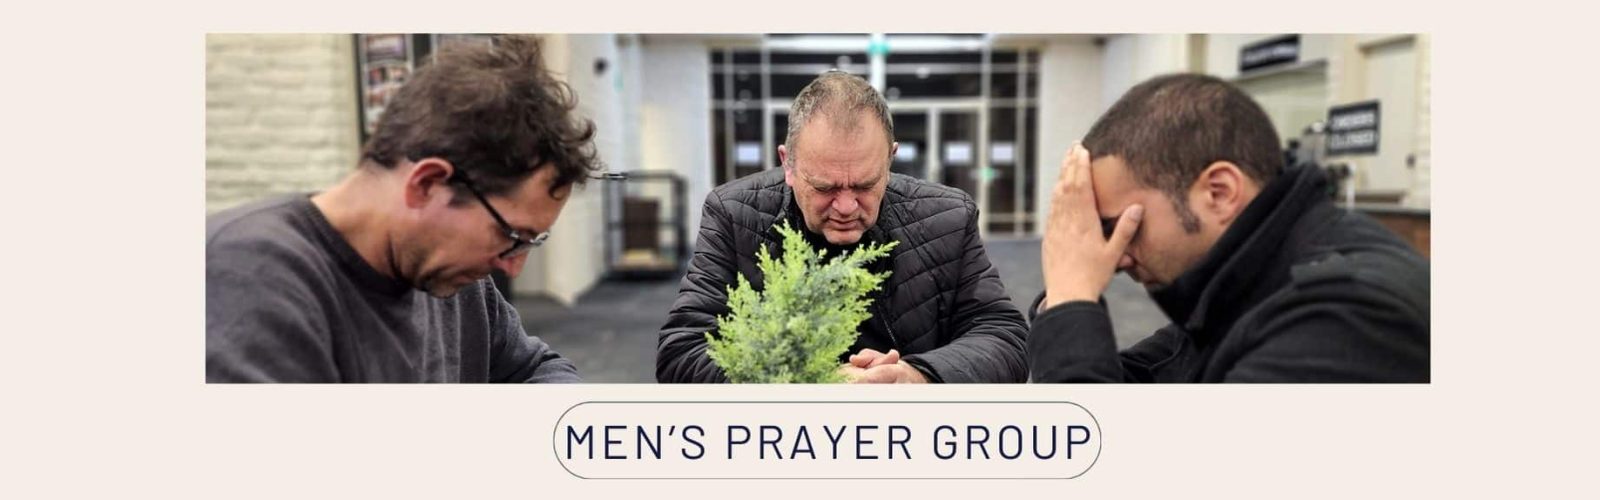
x=1247 y=261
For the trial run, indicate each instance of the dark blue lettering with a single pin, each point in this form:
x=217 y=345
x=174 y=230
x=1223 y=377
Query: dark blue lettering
x=610 y=442
x=1072 y=442
x=905 y=436
x=645 y=441
x=802 y=439
x=777 y=435
x=945 y=449
x=732 y=441
x=1036 y=441
x=1018 y=440
x=862 y=442
x=588 y=433
x=700 y=450
x=834 y=439
x=982 y=443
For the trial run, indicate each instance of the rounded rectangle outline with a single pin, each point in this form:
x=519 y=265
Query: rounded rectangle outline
x=556 y=432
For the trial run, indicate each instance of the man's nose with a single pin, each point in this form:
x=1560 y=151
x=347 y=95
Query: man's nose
x=1125 y=262
x=846 y=203
x=512 y=266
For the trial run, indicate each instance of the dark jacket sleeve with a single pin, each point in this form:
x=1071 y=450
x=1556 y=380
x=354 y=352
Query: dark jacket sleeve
x=1337 y=332
x=1074 y=342
x=703 y=295
x=516 y=356
x=990 y=333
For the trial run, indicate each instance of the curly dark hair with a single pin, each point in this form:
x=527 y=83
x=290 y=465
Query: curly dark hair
x=494 y=112
x=1171 y=127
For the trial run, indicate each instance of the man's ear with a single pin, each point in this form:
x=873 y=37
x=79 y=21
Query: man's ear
x=783 y=162
x=1223 y=191
x=427 y=180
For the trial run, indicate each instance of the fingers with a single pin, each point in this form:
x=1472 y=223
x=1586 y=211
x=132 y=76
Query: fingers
x=1075 y=175
x=1127 y=226
x=1084 y=183
x=1070 y=166
x=1072 y=207
x=869 y=358
x=1080 y=157
x=888 y=359
x=1066 y=165
x=866 y=357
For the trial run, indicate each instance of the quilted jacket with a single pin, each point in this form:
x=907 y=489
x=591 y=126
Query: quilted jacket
x=943 y=306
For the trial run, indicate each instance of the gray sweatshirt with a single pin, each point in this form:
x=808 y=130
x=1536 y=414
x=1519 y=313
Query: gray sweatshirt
x=289 y=300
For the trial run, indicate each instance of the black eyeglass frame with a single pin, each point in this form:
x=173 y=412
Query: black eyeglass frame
x=519 y=244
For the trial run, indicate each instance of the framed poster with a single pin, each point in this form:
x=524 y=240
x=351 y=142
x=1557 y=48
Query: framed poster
x=384 y=62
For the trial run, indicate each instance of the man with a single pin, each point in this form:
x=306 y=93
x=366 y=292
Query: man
x=381 y=278
x=1181 y=184
x=943 y=306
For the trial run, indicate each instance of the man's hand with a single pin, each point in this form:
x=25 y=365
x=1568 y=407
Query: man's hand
x=1078 y=259
x=872 y=367
x=869 y=358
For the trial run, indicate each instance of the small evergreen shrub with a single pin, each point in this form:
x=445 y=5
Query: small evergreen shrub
x=795 y=330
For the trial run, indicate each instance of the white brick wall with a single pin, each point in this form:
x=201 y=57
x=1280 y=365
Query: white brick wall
x=1421 y=194
x=281 y=115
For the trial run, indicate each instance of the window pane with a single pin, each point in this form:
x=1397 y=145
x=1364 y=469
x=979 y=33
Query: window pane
x=1003 y=85
x=958 y=135
x=1027 y=164
x=788 y=86
x=973 y=57
x=1004 y=159
x=911 y=131
x=747 y=86
x=780 y=129
x=747 y=57
x=934 y=85
x=719 y=147
x=856 y=58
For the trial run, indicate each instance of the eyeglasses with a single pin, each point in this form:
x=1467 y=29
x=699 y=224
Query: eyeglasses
x=520 y=245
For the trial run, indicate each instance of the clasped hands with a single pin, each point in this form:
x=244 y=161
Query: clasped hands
x=872 y=367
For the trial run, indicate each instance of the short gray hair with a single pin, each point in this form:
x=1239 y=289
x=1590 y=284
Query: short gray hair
x=839 y=96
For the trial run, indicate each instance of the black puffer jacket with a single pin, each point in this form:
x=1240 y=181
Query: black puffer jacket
x=943 y=307
x=1296 y=290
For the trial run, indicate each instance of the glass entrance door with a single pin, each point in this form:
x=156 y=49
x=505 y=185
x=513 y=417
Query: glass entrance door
x=911 y=131
x=960 y=164
x=964 y=111
x=940 y=143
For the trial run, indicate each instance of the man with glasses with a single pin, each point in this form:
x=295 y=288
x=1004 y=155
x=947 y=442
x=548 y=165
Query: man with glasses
x=382 y=277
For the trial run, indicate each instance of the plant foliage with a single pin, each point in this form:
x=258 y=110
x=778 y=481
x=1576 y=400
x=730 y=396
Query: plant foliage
x=795 y=330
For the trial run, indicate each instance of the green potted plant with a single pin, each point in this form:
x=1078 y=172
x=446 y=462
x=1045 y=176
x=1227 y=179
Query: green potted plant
x=796 y=328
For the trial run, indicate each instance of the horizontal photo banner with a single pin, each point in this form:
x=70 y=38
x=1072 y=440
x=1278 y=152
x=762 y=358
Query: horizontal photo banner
x=827 y=440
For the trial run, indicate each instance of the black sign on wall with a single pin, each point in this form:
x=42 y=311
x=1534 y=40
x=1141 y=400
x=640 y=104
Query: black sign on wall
x=1271 y=52
x=1353 y=129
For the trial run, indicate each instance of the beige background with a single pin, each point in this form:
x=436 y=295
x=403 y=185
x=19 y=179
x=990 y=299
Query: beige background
x=103 y=397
